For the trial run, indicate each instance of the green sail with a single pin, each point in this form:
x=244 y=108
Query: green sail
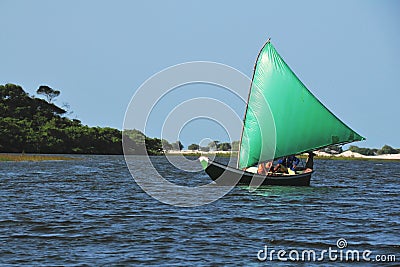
x=283 y=117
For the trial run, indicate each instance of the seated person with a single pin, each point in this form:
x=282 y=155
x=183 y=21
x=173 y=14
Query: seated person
x=264 y=167
x=310 y=162
x=285 y=163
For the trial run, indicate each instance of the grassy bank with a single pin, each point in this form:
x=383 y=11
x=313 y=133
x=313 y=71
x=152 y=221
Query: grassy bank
x=25 y=157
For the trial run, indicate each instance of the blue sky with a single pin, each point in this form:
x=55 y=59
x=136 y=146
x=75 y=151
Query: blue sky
x=97 y=53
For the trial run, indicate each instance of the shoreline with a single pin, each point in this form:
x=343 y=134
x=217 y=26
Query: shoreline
x=346 y=155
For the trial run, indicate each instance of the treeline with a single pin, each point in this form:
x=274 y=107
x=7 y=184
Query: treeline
x=137 y=143
x=33 y=125
x=373 y=151
x=386 y=149
x=216 y=146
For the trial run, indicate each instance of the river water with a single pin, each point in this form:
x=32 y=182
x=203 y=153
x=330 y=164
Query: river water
x=90 y=212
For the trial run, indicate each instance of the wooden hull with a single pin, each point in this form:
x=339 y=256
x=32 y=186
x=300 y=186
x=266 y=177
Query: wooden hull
x=228 y=176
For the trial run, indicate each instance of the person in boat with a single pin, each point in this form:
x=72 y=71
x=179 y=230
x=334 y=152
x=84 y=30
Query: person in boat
x=310 y=162
x=264 y=167
x=285 y=163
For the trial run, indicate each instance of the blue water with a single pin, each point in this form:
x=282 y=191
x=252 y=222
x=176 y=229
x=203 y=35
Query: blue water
x=91 y=212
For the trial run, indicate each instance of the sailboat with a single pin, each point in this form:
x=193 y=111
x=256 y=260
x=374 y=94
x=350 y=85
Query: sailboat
x=282 y=118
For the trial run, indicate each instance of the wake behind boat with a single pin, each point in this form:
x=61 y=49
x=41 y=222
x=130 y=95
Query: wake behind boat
x=282 y=118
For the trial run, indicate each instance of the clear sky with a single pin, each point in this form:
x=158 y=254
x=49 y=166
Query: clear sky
x=97 y=53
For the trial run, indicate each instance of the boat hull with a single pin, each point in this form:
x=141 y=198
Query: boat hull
x=228 y=176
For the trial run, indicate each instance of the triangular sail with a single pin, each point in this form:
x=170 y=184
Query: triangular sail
x=283 y=117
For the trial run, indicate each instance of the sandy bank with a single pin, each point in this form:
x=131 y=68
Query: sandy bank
x=345 y=154
x=350 y=154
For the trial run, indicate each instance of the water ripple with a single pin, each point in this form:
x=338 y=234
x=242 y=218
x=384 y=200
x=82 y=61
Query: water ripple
x=91 y=212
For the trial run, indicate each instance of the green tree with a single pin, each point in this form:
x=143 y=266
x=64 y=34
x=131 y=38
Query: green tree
x=235 y=146
x=177 y=145
x=387 y=150
x=12 y=133
x=224 y=147
x=204 y=148
x=154 y=146
x=34 y=125
x=193 y=147
x=213 y=145
x=12 y=91
x=135 y=135
x=48 y=92
x=363 y=150
x=134 y=142
x=166 y=145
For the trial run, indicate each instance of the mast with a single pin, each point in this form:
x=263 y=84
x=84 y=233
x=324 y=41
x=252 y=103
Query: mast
x=248 y=97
